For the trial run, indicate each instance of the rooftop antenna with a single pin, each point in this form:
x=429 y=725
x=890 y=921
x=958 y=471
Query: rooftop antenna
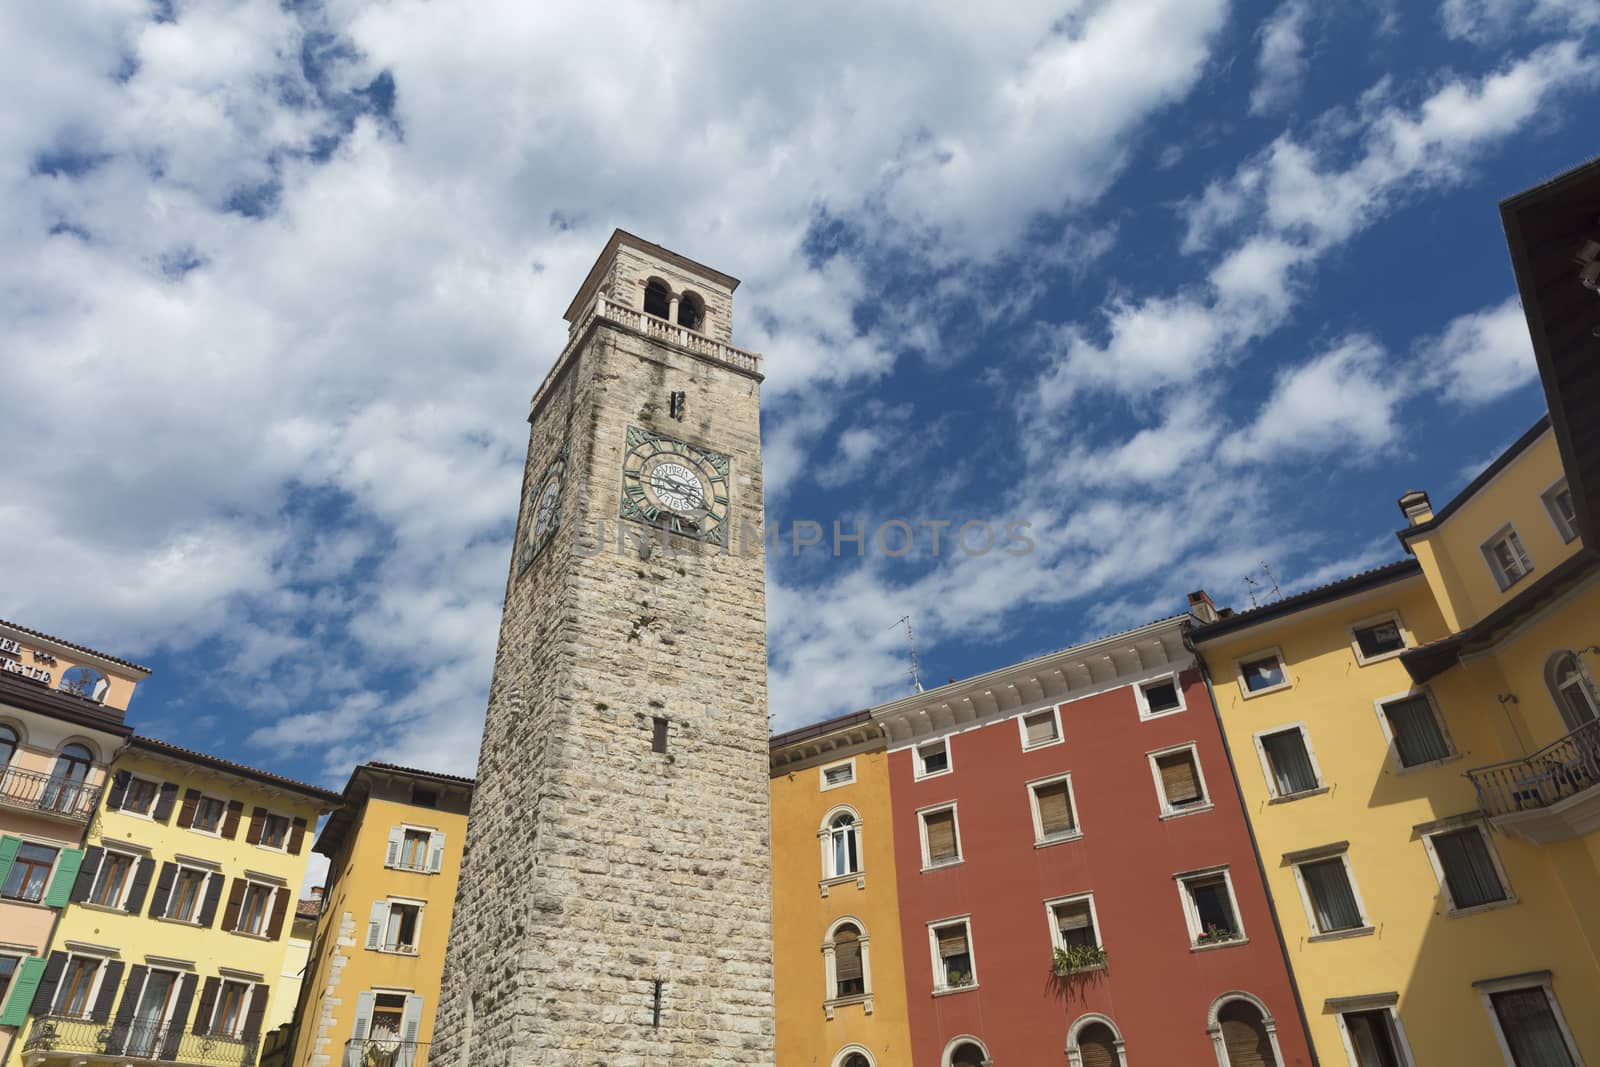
x=1250 y=585
x=911 y=643
x=1268 y=572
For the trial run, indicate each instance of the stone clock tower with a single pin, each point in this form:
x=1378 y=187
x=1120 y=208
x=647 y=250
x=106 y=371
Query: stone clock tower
x=615 y=900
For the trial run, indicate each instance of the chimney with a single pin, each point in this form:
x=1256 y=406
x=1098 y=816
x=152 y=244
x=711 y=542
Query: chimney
x=1201 y=607
x=316 y=892
x=1415 y=506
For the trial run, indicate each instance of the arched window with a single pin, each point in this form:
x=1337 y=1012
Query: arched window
x=847 y=964
x=1242 y=1032
x=691 y=311
x=844 y=846
x=657 y=298
x=8 y=745
x=853 y=1056
x=1574 y=696
x=85 y=682
x=1094 y=1041
x=67 y=778
x=966 y=1052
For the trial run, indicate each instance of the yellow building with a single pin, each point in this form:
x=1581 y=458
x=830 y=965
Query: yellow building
x=174 y=940
x=837 y=966
x=394 y=856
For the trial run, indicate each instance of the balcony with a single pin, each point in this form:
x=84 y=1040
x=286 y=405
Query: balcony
x=1547 y=796
x=383 y=1053
x=77 y=1040
x=46 y=795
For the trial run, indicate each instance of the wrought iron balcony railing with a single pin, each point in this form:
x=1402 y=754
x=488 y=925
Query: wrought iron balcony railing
x=139 y=1041
x=1557 y=771
x=377 y=1052
x=48 y=794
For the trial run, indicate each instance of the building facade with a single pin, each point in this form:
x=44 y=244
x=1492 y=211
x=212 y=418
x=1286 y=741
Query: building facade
x=174 y=938
x=618 y=853
x=377 y=960
x=61 y=723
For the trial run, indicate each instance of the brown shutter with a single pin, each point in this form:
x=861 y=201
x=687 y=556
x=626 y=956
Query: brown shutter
x=191 y=800
x=1097 y=1048
x=164 y=797
x=297 y=836
x=252 y=1017
x=208 y=1004
x=941 y=835
x=1245 y=1037
x=1055 y=808
x=952 y=941
x=280 y=907
x=258 y=816
x=846 y=956
x=1178 y=778
x=230 y=821
x=230 y=917
x=1070 y=917
x=1040 y=729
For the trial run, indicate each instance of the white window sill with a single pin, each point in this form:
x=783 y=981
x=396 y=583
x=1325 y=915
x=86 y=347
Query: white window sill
x=1367 y=661
x=942 y=865
x=1054 y=741
x=280 y=850
x=859 y=878
x=247 y=933
x=945 y=991
x=109 y=909
x=1440 y=762
x=1193 y=809
x=174 y=920
x=1162 y=714
x=27 y=903
x=215 y=835
x=396 y=951
x=1302 y=795
x=408 y=870
x=1213 y=945
x=1341 y=935
x=1058 y=839
x=1251 y=694
x=932 y=774
x=833 y=1004
x=1493 y=905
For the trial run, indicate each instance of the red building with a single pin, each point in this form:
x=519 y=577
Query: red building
x=1076 y=814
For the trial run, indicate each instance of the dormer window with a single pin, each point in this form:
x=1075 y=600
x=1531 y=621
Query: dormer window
x=658 y=299
x=691 y=311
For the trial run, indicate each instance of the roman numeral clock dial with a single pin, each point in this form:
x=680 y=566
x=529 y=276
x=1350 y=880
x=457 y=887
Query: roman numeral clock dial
x=543 y=511
x=675 y=485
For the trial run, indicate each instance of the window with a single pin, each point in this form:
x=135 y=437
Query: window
x=1096 y=1045
x=77 y=986
x=658 y=734
x=1467 y=869
x=29 y=873
x=691 y=311
x=68 y=779
x=424 y=798
x=1373 y=1037
x=255 y=908
x=1039 y=729
x=208 y=815
x=112 y=879
x=1286 y=756
x=853 y=1058
x=932 y=758
x=657 y=298
x=187 y=891
x=951 y=944
x=838 y=774
x=275 y=832
x=1160 y=696
x=1529 y=1023
x=1209 y=908
x=848 y=978
x=1180 y=788
x=1262 y=673
x=140 y=799
x=1329 y=894
x=401 y=935
x=1378 y=639
x=965 y=1052
x=1507 y=559
x=1245 y=1037
x=1413 y=730
x=843 y=846
x=1075 y=933
x=8 y=745
x=414 y=849
x=1558 y=501
x=1574 y=696
x=388 y=1016
x=941 y=838
x=8 y=970
x=1055 y=811
x=85 y=682
x=227 y=1020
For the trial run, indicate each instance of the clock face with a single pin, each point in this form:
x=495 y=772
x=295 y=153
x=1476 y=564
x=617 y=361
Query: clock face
x=547 y=510
x=675 y=485
x=543 y=511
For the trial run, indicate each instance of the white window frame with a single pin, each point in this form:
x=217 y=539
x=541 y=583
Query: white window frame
x=1139 y=698
x=1039 y=838
x=1451 y=825
x=1385 y=1003
x=830 y=878
x=266 y=917
x=1082 y=1023
x=287 y=836
x=1406 y=640
x=1501 y=579
x=127 y=883
x=388 y=916
x=55 y=865
x=822 y=774
x=431 y=832
x=845 y=1053
x=94 y=985
x=1283 y=666
x=1072 y=898
x=831 y=973
x=1340 y=852
x=223 y=821
x=148 y=816
x=939 y=986
x=1219 y=1047
x=244 y=1007
x=1055 y=719
x=180 y=866
x=1259 y=738
x=1388 y=730
x=1511 y=983
x=922 y=831
x=917 y=773
x=1167 y=811
x=1191 y=914
x=1568 y=534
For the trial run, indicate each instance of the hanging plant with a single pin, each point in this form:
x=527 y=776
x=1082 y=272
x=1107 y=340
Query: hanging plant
x=1075 y=958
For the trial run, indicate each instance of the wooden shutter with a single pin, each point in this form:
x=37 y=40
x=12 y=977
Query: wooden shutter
x=130 y=1000
x=118 y=790
x=191 y=801
x=208 y=1005
x=1040 y=729
x=45 y=994
x=230 y=821
x=180 y=1017
x=280 y=907
x=952 y=941
x=297 y=835
x=158 y=899
x=23 y=986
x=9 y=846
x=396 y=834
x=208 y=906
x=1055 y=808
x=411 y=1021
x=941 y=826
x=258 y=1008
x=1073 y=917
x=363 y=1025
x=1097 y=1047
x=436 y=851
x=141 y=885
x=101 y=1011
x=164 y=801
x=376 y=921
x=1245 y=1037
x=230 y=914
x=86 y=872
x=847 y=956
x=258 y=817
x=62 y=882
x=1178 y=778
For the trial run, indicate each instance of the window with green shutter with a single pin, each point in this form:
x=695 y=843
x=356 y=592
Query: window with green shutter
x=20 y=993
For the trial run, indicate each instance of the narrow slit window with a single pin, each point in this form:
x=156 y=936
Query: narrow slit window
x=658 y=734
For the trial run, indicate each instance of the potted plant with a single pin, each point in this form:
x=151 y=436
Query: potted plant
x=954 y=979
x=1215 y=935
x=1073 y=958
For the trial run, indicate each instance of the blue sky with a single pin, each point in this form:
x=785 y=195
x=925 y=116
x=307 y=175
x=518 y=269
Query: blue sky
x=1186 y=285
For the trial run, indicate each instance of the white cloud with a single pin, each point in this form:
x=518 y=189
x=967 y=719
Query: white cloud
x=1484 y=21
x=1281 y=65
x=1480 y=356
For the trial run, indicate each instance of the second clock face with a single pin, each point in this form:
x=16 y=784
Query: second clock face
x=675 y=485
